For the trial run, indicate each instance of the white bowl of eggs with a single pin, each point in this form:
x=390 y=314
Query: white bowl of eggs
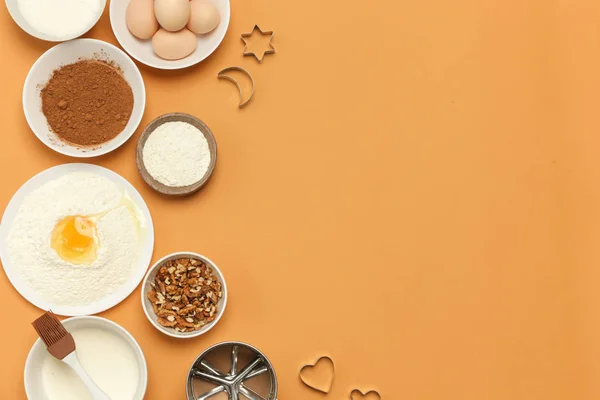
x=170 y=34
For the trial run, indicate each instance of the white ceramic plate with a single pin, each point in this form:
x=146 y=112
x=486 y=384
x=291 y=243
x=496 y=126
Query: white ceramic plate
x=34 y=386
x=15 y=13
x=145 y=250
x=68 y=53
x=142 y=51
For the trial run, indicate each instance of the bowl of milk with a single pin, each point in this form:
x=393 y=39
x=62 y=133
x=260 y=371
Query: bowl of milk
x=56 y=20
x=109 y=354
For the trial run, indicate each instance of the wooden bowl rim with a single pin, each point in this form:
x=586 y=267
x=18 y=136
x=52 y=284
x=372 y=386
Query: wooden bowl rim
x=151 y=127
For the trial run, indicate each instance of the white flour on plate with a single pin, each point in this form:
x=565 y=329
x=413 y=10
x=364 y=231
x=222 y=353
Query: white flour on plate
x=176 y=154
x=60 y=18
x=53 y=279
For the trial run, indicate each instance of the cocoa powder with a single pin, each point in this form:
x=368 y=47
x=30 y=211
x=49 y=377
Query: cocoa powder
x=87 y=103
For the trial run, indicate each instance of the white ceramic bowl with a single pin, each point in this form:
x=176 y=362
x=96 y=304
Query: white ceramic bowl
x=147 y=306
x=34 y=386
x=17 y=16
x=142 y=51
x=68 y=53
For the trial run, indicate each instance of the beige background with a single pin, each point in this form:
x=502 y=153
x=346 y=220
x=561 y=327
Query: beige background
x=413 y=191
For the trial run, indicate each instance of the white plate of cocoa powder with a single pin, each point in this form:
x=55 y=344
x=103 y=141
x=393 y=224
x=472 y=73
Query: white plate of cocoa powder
x=84 y=98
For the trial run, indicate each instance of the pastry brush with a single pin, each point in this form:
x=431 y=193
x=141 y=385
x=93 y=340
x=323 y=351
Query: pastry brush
x=61 y=345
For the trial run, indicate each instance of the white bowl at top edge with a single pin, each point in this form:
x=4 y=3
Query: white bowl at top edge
x=34 y=387
x=142 y=51
x=149 y=311
x=15 y=13
x=68 y=53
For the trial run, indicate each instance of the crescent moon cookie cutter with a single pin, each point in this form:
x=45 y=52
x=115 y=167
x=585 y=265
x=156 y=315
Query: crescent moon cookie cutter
x=270 y=50
x=364 y=394
x=223 y=75
x=324 y=390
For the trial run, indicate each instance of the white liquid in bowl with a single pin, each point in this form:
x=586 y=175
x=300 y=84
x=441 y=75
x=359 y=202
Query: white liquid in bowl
x=108 y=359
x=61 y=19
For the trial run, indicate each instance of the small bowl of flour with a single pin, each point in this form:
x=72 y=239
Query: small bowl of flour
x=176 y=154
x=56 y=20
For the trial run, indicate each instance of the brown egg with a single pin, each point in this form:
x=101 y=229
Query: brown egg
x=174 y=45
x=204 y=18
x=140 y=18
x=172 y=15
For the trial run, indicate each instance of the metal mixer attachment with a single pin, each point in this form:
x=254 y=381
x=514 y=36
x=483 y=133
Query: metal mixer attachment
x=255 y=380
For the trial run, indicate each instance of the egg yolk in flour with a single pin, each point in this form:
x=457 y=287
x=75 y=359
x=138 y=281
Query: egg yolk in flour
x=75 y=239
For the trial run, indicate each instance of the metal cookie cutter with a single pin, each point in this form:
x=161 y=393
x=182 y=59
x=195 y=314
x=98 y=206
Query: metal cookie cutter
x=222 y=75
x=364 y=394
x=309 y=366
x=271 y=50
x=250 y=374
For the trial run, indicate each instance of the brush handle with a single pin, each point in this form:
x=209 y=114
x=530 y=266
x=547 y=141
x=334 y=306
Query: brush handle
x=97 y=393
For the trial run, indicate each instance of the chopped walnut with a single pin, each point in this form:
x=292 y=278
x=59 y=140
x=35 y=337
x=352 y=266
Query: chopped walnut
x=185 y=294
x=166 y=323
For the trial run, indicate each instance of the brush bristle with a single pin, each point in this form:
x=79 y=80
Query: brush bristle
x=49 y=328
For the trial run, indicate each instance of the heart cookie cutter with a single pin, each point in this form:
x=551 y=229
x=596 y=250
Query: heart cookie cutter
x=308 y=366
x=364 y=394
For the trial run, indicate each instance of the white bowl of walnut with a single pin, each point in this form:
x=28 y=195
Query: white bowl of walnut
x=184 y=295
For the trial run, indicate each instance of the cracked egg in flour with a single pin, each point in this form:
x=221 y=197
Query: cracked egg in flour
x=76 y=239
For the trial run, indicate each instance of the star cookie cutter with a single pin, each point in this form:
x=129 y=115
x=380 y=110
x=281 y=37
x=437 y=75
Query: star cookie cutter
x=271 y=50
x=364 y=394
x=222 y=75
x=309 y=366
